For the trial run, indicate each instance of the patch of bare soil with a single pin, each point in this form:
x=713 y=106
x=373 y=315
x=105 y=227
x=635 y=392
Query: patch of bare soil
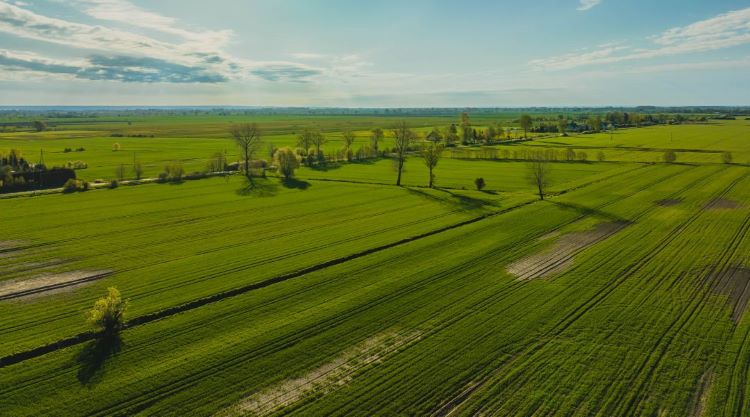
x=735 y=284
x=323 y=379
x=9 y=245
x=45 y=283
x=722 y=204
x=700 y=398
x=668 y=202
x=560 y=256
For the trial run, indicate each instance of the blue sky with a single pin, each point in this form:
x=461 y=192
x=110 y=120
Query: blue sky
x=374 y=54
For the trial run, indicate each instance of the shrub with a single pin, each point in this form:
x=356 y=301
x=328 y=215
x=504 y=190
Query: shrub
x=70 y=186
x=669 y=157
x=479 y=183
x=600 y=156
x=108 y=313
x=116 y=147
x=174 y=171
x=581 y=156
x=114 y=184
x=81 y=149
x=726 y=157
x=162 y=177
x=287 y=161
x=66 y=150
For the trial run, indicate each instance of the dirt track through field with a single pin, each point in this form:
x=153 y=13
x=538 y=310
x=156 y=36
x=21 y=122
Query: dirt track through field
x=735 y=284
x=560 y=256
x=45 y=283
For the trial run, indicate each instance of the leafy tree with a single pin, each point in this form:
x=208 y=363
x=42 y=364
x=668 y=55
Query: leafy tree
x=116 y=147
x=434 y=135
x=562 y=126
x=375 y=138
x=669 y=156
x=247 y=136
x=451 y=135
x=479 y=183
x=726 y=157
x=349 y=138
x=600 y=156
x=108 y=314
x=431 y=155
x=318 y=140
x=174 y=171
x=137 y=169
x=287 y=161
x=40 y=125
x=526 y=123
x=466 y=130
x=539 y=174
x=595 y=123
x=403 y=138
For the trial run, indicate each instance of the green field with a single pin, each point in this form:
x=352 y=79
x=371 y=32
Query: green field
x=339 y=293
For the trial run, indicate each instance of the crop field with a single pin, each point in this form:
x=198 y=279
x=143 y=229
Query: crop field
x=337 y=293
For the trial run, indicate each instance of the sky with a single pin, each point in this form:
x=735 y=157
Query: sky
x=356 y=53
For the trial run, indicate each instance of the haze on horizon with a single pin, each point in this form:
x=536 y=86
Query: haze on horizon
x=390 y=53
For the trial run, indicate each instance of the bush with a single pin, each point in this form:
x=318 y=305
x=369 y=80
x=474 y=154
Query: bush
x=479 y=183
x=70 y=186
x=108 y=313
x=726 y=157
x=287 y=161
x=669 y=157
x=174 y=172
x=66 y=150
x=114 y=184
x=600 y=156
x=116 y=147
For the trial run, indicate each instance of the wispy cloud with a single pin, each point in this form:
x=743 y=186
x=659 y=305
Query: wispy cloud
x=120 y=55
x=584 y=5
x=723 y=31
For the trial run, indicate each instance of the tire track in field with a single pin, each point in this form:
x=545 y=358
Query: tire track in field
x=150 y=317
x=457 y=401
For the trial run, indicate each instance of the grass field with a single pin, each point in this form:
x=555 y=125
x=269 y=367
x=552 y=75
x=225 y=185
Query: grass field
x=339 y=293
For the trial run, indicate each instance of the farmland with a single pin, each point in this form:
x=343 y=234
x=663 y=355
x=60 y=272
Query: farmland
x=623 y=293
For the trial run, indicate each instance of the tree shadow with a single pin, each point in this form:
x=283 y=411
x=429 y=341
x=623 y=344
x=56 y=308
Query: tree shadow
x=258 y=187
x=588 y=211
x=328 y=166
x=455 y=200
x=295 y=183
x=92 y=358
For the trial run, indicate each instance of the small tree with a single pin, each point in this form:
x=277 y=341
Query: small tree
x=726 y=157
x=539 y=174
x=526 y=123
x=174 y=171
x=287 y=161
x=403 y=138
x=431 y=155
x=466 y=131
x=116 y=147
x=137 y=169
x=108 y=314
x=247 y=138
x=600 y=156
x=669 y=156
x=120 y=172
x=375 y=138
x=349 y=137
x=218 y=162
x=479 y=183
x=40 y=125
x=562 y=126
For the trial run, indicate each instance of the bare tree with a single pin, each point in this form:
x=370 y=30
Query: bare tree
x=431 y=155
x=539 y=174
x=247 y=137
x=403 y=138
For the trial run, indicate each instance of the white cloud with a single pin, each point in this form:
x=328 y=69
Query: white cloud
x=723 y=31
x=584 y=5
x=130 y=56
